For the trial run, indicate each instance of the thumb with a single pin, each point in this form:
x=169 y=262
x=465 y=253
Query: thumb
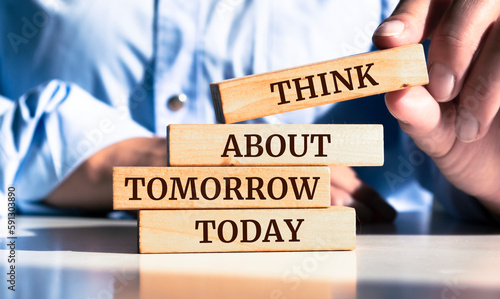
x=412 y=22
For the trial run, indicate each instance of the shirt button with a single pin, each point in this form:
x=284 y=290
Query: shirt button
x=176 y=102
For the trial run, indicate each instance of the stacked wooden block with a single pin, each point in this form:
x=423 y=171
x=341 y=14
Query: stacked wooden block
x=263 y=187
x=247 y=188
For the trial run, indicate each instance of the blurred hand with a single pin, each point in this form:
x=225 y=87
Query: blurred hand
x=90 y=186
x=346 y=189
x=455 y=118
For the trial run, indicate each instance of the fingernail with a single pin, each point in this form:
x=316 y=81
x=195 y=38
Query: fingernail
x=441 y=82
x=467 y=126
x=390 y=28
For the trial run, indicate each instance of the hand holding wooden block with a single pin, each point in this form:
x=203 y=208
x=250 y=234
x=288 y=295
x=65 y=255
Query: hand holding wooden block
x=247 y=230
x=321 y=83
x=252 y=145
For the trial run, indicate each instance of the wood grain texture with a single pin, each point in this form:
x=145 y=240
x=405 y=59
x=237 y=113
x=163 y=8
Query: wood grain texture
x=216 y=145
x=165 y=231
x=336 y=80
x=136 y=188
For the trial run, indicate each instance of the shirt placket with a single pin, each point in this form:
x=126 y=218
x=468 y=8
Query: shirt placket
x=175 y=65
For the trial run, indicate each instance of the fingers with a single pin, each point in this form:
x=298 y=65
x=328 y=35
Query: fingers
x=382 y=211
x=462 y=99
x=480 y=97
x=429 y=123
x=411 y=22
x=454 y=43
x=347 y=189
x=463 y=59
x=457 y=27
x=340 y=197
x=344 y=177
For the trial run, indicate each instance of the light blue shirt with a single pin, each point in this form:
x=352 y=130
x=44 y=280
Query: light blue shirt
x=78 y=76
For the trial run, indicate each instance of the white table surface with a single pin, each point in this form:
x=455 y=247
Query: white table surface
x=419 y=256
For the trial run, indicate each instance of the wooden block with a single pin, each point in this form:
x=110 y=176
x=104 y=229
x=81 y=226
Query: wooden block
x=165 y=231
x=220 y=187
x=215 y=145
x=321 y=83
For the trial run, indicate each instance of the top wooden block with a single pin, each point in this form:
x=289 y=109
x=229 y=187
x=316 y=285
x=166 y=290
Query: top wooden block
x=321 y=83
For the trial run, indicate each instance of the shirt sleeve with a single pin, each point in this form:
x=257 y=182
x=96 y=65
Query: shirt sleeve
x=48 y=132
